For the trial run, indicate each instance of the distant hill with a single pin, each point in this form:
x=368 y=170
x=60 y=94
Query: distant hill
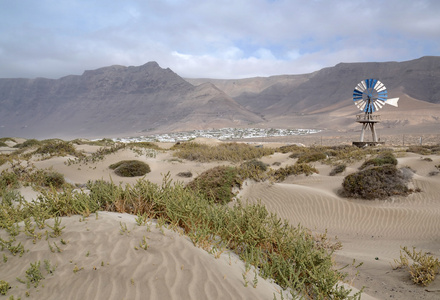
x=113 y=101
x=120 y=101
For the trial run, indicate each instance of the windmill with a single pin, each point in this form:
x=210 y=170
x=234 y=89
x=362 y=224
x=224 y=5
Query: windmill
x=369 y=96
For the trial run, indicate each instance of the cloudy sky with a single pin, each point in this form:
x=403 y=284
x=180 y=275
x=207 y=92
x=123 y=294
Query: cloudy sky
x=211 y=38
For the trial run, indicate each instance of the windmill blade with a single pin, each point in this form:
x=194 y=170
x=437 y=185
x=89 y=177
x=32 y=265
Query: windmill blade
x=393 y=102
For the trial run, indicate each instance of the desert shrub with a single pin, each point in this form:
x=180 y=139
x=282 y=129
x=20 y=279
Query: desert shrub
x=185 y=174
x=423 y=150
x=234 y=152
x=292 y=148
x=277 y=163
x=8 y=180
x=427 y=159
x=253 y=169
x=311 y=157
x=423 y=268
x=50 y=178
x=330 y=155
x=217 y=183
x=28 y=144
x=381 y=159
x=56 y=148
x=98 y=155
x=101 y=142
x=5 y=139
x=3 y=159
x=375 y=183
x=130 y=168
x=4 y=287
x=253 y=163
x=148 y=145
x=3 y=144
x=338 y=169
x=296 y=169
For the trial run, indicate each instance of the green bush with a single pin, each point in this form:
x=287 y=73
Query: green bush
x=338 y=169
x=385 y=158
x=148 y=145
x=424 y=267
x=56 y=147
x=53 y=178
x=254 y=164
x=234 y=152
x=130 y=168
x=375 y=183
x=3 y=159
x=8 y=180
x=185 y=174
x=28 y=143
x=253 y=169
x=296 y=169
x=4 y=287
x=292 y=148
x=217 y=183
x=423 y=150
x=311 y=157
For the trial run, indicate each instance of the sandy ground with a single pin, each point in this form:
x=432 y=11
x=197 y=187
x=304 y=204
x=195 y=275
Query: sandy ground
x=371 y=232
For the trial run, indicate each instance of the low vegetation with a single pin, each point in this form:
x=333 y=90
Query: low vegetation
x=424 y=150
x=338 y=169
x=186 y=174
x=422 y=267
x=217 y=184
x=328 y=155
x=130 y=168
x=311 y=157
x=375 y=183
x=28 y=144
x=57 y=148
x=4 y=287
x=296 y=169
x=385 y=158
x=378 y=178
x=29 y=175
x=233 y=152
x=97 y=155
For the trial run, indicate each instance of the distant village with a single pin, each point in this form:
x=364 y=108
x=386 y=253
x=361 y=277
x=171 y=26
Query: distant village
x=221 y=134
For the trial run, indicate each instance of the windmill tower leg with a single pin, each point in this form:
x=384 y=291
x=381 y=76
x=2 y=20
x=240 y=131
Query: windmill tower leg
x=364 y=126
x=373 y=131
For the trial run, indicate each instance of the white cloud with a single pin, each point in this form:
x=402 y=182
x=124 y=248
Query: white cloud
x=226 y=39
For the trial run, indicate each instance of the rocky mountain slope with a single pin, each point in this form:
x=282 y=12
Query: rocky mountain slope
x=118 y=101
x=113 y=101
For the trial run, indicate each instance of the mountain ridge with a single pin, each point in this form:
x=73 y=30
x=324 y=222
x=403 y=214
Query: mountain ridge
x=118 y=100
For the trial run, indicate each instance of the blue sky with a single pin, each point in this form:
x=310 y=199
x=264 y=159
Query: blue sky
x=211 y=38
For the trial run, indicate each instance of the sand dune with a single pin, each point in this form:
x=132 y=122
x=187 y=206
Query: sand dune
x=109 y=266
x=371 y=232
x=367 y=229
